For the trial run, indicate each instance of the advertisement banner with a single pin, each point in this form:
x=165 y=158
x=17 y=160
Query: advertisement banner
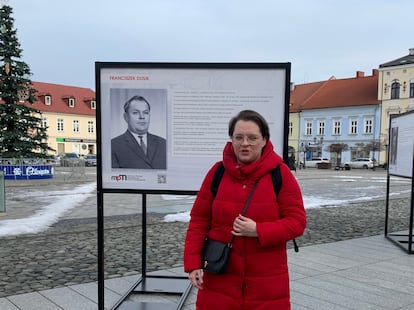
x=27 y=172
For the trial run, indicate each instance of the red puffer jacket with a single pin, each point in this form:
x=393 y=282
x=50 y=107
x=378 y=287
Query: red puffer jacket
x=257 y=275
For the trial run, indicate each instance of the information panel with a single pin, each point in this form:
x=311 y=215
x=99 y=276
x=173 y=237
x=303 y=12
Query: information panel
x=401 y=144
x=185 y=109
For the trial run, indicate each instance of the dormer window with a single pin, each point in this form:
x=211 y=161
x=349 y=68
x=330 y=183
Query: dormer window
x=90 y=102
x=48 y=100
x=72 y=102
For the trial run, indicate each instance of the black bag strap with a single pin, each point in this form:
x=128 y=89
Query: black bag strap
x=276 y=180
x=246 y=206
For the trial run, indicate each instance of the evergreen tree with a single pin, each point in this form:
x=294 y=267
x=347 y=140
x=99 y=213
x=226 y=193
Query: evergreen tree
x=21 y=132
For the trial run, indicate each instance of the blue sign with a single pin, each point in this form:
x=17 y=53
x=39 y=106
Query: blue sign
x=27 y=172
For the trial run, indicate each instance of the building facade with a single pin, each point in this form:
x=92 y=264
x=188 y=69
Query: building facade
x=395 y=92
x=69 y=113
x=338 y=118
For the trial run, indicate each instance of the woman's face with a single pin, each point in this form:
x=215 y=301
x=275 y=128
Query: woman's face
x=247 y=142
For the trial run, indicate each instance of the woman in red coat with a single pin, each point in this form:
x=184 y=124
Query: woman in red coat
x=257 y=274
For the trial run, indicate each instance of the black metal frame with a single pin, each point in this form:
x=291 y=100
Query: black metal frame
x=147 y=283
x=403 y=240
x=156 y=284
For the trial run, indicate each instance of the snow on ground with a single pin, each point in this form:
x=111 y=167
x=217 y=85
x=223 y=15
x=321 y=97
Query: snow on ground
x=62 y=201
x=310 y=202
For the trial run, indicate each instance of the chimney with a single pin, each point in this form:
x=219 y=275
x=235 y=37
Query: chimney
x=360 y=74
x=411 y=50
x=374 y=72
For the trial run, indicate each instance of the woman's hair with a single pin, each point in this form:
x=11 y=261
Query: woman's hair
x=250 y=115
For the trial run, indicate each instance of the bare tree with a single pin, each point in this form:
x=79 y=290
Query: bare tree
x=374 y=146
x=337 y=149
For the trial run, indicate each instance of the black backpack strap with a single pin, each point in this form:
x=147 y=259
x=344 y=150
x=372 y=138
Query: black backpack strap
x=218 y=174
x=277 y=180
x=277 y=185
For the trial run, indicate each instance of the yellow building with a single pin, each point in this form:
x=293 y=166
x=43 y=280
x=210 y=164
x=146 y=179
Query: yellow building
x=69 y=113
x=395 y=92
x=293 y=130
x=299 y=94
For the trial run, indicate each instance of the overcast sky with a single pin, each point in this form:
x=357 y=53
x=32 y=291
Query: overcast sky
x=62 y=40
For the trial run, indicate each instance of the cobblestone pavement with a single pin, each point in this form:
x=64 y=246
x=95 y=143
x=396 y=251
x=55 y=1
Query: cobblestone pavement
x=66 y=253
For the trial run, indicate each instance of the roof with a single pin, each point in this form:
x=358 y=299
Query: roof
x=301 y=93
x=60 y=95
x=357 y=91
x=405 y=60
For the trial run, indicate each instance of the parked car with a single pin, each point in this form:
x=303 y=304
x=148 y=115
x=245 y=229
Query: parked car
x=90 y=160
x=313 y=162
x=361 y=163
x=71 y=159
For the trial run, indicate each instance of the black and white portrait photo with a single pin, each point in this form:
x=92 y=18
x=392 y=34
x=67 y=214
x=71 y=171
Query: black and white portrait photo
x=138 y=128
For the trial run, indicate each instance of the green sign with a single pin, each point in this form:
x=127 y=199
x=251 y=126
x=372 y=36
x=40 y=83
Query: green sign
x=75 y=140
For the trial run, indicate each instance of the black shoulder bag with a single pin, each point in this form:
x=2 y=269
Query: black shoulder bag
x=215 y=254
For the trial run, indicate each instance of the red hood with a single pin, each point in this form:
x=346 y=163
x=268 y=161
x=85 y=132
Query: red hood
x=255 y=170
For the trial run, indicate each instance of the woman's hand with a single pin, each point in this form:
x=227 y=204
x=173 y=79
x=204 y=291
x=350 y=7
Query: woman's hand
x=243 y=226
x=196 y=278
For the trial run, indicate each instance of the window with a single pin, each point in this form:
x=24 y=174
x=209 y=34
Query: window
x=308 y=128
x=44 y=122
x=368 y=125
x=395 y=90
x=48 y=100
x=290 y=128
x=59 y=124
x=359 y=154
x=336 y=127
x=91 y=127
x=93 y=104
x=411 y=89
x=72 y=102
x=23 y=95
x=76 y=126
x=321 y=128
x=353 y=126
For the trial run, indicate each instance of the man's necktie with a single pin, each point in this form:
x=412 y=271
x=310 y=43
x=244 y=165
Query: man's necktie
x=142 y=144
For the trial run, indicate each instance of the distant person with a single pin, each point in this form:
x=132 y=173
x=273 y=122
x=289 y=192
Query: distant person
x=292 y=163
x=137 y=148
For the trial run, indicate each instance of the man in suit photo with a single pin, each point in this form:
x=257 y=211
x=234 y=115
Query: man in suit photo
x=137 y=148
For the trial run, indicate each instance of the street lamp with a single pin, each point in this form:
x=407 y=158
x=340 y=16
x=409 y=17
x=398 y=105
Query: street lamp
x=321 y=145
x=318 y=144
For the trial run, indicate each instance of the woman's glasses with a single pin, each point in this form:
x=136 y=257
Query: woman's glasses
x=251 y=139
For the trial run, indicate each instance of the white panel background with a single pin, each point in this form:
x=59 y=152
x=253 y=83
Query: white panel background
x=401 y=145
x=259 y=89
